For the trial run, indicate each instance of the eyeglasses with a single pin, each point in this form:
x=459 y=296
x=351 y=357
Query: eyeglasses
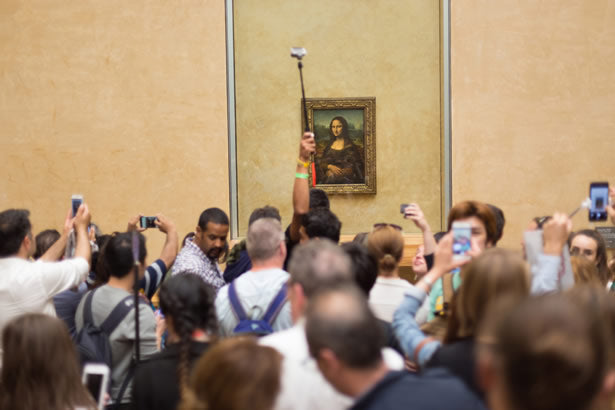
x=384 y=225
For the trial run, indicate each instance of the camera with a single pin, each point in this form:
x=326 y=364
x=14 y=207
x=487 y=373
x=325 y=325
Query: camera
x=148 y=222
x=298 y=52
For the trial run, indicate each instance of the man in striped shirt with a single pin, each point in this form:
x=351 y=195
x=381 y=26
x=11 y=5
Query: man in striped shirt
x=200 y=255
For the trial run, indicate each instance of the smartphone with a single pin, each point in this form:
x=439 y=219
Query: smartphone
x=462 y=240
x=599 y=196
x=148 y=222
x=95 y=379
x=76 y=201
x=402 y=208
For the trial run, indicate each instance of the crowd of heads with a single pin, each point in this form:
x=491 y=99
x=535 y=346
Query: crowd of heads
x=553 y=350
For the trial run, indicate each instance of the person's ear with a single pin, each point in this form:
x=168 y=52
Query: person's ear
x=608 y=384
x=329 y=361
x=297 y=300
x=28 y=245
x=283 y=249
x=303 y=237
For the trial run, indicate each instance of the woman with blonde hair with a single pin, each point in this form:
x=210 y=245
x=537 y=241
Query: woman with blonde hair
x=495 y=274
x=386 y=245
x=39 y=366
x=235 y=374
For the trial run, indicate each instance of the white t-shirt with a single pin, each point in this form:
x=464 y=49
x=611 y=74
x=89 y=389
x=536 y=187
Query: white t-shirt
x=29 y=287
x=303 y=387
x=386 y=296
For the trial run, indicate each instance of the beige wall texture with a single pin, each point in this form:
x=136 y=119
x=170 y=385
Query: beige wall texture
x=356 y=48
x=123 y=102
x=533 y=90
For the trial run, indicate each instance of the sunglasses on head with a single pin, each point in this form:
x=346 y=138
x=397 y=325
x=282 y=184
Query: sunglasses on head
x=383 y=225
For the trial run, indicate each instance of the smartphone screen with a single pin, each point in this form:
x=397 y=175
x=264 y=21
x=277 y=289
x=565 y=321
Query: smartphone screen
x=148 y=222
x=94 y=384
x=599 y=196
x=76 y=202
x=462 y=240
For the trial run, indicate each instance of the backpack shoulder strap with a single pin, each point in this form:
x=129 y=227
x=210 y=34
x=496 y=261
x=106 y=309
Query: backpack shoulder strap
x=275 y=306
x=235 y=304
x=87 y=308
x=125 y=382
x=118 y=314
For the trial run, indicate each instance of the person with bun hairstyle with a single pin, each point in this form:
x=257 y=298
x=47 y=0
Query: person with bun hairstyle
x=40 y=369
x=386 y=245
x=186 y=302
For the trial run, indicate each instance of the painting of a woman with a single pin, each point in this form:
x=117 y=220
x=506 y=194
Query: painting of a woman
x=341 y=161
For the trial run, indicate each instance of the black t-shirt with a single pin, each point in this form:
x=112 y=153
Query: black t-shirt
x=156 y=382
x=458 y=358
x=434 y=389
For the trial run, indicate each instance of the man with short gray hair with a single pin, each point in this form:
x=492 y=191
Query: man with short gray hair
x=314 y=267
x=257 y=289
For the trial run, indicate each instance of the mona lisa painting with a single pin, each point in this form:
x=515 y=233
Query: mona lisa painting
x=344 y=130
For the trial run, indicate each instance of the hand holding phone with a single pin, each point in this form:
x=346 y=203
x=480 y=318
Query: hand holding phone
x=462 y=240
x=599 y=196
x=413 y=211
x=76 y=201
x=147 y=222
x=96 y=379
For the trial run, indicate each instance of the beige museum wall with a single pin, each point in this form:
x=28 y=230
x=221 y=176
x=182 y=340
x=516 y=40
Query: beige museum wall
x=124 y=102
x=358 y=48
x=533 y=90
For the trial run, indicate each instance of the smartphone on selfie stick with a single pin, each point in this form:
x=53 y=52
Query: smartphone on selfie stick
x=299 y=53
x=599 y=197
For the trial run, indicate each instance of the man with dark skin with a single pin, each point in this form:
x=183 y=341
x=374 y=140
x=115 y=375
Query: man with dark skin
x=200 y=255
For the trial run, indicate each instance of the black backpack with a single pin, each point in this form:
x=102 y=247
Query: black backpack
x=92 y=341
x=259 y=327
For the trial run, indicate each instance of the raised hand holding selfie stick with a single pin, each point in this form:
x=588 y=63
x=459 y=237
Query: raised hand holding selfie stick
x=299 y=53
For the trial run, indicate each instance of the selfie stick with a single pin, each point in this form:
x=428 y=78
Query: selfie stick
x=587 y=203
x=299 y=53
x=135 y=255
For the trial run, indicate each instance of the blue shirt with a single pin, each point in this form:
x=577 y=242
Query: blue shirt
x=434 y=389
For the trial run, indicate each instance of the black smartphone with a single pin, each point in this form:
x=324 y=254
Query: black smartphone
x=402 y=208
x=599 y=196
x=148 y=222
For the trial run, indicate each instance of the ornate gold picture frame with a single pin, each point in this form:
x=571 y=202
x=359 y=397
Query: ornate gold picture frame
x=345 y=134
